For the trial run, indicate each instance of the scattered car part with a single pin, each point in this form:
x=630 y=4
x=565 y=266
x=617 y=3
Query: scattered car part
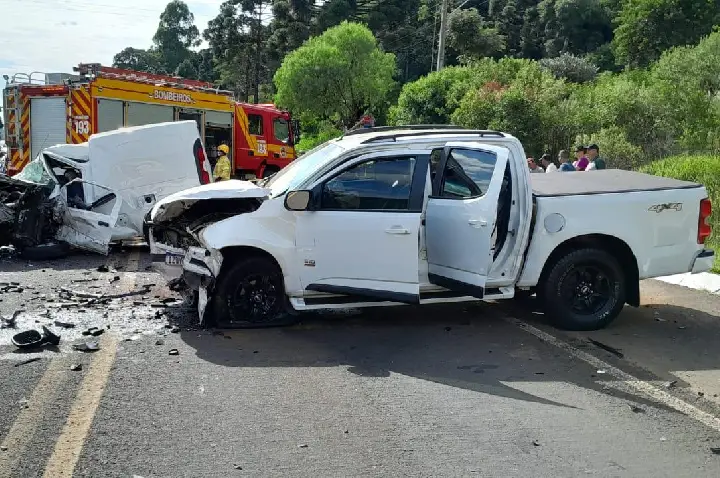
x=29 y=339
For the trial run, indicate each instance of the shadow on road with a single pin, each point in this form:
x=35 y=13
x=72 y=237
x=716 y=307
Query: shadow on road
x=466 y=346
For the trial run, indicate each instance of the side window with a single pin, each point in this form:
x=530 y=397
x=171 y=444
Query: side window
x=281 y=129
x=255 y=125
x=467 y=173
x=374 y=185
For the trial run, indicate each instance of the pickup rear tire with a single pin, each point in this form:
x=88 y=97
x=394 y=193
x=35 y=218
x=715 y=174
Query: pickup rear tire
x=584 y=290
x=251 y=294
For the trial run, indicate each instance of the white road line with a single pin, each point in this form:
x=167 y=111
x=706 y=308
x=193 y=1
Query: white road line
x=641 y=386
x=67 y=450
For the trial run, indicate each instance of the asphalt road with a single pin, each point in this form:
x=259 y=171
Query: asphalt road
x=458 y=390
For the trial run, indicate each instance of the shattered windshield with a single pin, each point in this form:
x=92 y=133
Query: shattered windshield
x=299 y=170
x=35 y=172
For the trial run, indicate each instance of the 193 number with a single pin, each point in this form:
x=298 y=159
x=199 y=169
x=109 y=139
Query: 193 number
x=82 y=127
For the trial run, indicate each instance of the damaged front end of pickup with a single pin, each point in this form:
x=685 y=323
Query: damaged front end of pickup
x=175 y=229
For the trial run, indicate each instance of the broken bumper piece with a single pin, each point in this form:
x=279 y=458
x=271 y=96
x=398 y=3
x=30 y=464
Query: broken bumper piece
x=196 y=267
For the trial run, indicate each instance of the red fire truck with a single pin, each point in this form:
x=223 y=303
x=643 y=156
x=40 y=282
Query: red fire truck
x=42 y=110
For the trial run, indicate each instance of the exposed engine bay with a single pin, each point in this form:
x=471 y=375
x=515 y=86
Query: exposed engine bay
x=179 y=224
x=27 y=216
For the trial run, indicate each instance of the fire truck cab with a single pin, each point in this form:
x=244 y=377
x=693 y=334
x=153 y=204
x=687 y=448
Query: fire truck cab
x=42 y=110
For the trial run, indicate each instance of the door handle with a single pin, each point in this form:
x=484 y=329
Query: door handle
x=397 y=230
x=477 y=222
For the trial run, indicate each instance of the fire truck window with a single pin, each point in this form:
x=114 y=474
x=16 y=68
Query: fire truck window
x=255 y=123
x=282 y=130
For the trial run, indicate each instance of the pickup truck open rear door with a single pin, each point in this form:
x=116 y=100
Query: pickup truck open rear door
x=461 y=213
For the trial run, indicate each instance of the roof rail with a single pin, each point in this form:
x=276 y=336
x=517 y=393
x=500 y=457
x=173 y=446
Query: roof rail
x=473 y=132
x=379 y=129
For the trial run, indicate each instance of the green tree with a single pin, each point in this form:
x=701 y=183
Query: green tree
x=139 y=60
x=337 y=75
x=176 y=34
x=469 y=36
x=646 y=28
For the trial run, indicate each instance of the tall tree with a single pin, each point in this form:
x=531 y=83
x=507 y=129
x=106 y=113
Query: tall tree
x=176 y=34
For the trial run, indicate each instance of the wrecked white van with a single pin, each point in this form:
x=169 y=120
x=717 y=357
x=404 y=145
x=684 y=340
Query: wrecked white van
x=91 y=194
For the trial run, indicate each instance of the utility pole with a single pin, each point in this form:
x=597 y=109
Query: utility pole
x=443 y=33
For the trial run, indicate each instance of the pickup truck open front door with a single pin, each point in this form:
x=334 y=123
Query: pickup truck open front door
x=361 y=239
x=461 y=214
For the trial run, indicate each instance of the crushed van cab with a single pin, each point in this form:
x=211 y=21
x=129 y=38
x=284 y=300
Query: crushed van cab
x=427 y=214
x=91 y=194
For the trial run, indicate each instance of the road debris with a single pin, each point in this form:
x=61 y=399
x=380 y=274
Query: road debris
x=536 y=443
x=302 y=445
x=173 y=352
x=175 y=330
x=76 y=367
x=9 y=323
x=90 y=346
x=103 y=268
x=30 y=360
x=715 y=450
x=64 y=325
x=607 y=348
x=33 y=339
x=160 y=342
x=237 y=467
x=3 y=448
x=671 y=384
x=636 y=409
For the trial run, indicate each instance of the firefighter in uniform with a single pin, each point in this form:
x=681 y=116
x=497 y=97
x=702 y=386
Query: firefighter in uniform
x=223 y=167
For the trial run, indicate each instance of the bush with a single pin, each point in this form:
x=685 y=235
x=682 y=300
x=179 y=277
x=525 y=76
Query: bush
x=310 y=140
x=702 y=169
x=570 y=67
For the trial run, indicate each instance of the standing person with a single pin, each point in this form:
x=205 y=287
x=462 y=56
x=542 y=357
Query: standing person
x=223 y=167
x=582 y=161
x=548 y=164
x=534 y=168
x=596 y=162
x=564 y=158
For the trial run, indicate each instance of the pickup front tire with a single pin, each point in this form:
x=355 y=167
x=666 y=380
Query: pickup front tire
x=584 y=290
x=251 y=294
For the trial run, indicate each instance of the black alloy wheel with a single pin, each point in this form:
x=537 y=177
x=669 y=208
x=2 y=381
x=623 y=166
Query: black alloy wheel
x=584 y=290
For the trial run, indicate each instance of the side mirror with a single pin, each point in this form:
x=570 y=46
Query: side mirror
x=297 y=200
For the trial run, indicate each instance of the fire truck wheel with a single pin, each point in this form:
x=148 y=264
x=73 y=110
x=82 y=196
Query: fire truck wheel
x=270 y=170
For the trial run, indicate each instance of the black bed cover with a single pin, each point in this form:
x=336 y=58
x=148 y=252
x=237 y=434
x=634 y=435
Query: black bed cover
x=606 y=181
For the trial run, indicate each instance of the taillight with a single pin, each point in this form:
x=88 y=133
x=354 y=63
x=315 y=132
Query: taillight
x=199 y=154
x=704 y=228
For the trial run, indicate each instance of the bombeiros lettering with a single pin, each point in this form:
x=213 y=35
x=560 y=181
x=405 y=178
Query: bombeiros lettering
x=172 y=96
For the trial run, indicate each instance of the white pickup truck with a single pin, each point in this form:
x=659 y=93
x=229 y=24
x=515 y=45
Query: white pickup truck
x=419 y=215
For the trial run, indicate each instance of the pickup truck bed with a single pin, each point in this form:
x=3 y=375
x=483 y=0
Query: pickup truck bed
x=607 y=181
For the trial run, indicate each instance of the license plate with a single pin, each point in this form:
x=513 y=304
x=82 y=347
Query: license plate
x=173 y=259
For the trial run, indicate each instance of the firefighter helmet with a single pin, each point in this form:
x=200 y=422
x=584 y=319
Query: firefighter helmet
x=224 y=148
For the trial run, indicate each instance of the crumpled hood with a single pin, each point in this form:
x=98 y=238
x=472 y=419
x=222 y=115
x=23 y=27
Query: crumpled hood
x=174 y=204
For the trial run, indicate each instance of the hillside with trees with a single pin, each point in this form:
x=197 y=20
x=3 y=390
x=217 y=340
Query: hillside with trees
x=638 y=76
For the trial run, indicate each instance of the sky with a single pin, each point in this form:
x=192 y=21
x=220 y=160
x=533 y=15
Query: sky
x=53 y=36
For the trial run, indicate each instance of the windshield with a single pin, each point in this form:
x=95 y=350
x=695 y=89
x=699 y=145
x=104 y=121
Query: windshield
x=35 y=172
x=299 y=170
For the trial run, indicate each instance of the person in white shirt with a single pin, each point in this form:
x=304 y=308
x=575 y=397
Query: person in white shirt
x=548 y=164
